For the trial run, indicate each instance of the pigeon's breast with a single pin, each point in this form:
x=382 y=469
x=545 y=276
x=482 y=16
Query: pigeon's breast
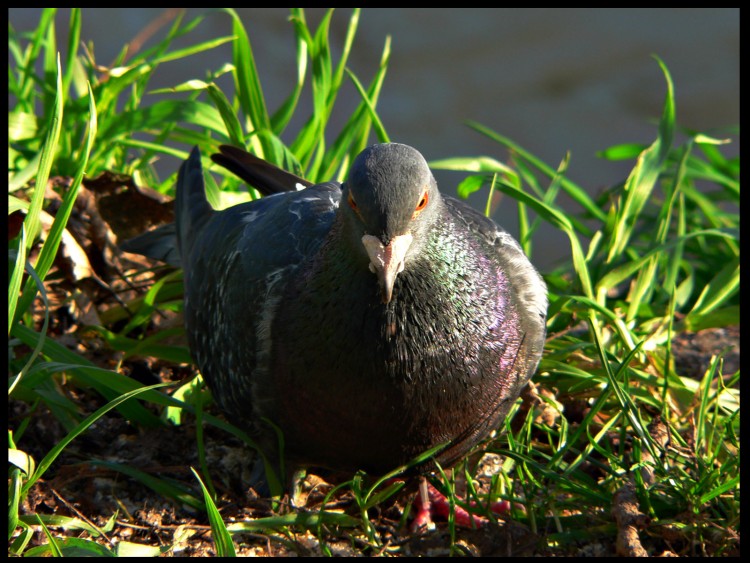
x=429 y=367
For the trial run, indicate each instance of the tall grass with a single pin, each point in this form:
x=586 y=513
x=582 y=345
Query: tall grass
x=654 y=257
x=662 y=259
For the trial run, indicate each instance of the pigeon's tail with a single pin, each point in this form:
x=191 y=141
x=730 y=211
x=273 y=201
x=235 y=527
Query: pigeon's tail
x=192 y=209
x=168 y=242
x=263 y=176
x=159 y=244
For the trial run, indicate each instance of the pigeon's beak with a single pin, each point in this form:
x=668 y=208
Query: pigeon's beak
x=387 y=261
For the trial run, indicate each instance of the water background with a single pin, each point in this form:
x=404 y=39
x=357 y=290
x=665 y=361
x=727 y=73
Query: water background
x=553 y=80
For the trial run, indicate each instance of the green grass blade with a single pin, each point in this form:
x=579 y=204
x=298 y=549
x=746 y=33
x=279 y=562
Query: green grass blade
x=645 y=283
x=52 y=544
x=234 y=129
x=560 y=220
x=74 y=37
x=722 y=286
x=310 y=142
x=45 y=165
x=303 y=520
x=281 y=117
x=39 y=338
x=65 y=522
x=14 y=285
x=164 y=487
x=621 y=273
x=109 y=387
x=474 y=164
x=641 y=181
x=338 y=74
x=27 y=79
x=379 y=128
x=51 y=245
x=15 y=498
x=154 y=116
x=80 y=429
x=198 y=48
x=247 y=83
x=91 y=375
x=718 y=491
x=488 y=205
x=222 y=537
x=322 y=69
x=353 y=137
x=572 y=189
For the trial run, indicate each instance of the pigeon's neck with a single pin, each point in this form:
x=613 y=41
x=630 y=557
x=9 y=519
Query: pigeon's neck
x=342 y=255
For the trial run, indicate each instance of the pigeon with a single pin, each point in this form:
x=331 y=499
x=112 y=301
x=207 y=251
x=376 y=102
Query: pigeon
x=355 y=325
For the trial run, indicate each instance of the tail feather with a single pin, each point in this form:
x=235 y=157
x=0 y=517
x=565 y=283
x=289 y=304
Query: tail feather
x=192 y=209
x=159 y=244
x=267 y=178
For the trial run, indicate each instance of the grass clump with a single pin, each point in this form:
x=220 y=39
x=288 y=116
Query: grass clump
x=628 y=442
x=661 y=262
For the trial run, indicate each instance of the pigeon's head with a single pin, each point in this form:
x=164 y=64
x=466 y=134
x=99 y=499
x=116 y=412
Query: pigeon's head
x=390 y=201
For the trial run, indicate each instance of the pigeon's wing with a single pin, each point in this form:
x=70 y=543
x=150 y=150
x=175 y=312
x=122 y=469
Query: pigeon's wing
x=237 y=263
x=161 y=243
x=506 y=334
x=528 y=285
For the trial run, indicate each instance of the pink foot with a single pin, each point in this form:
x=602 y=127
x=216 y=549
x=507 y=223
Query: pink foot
x=431 y=502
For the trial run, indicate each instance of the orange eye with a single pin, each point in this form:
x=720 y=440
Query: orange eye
x=422 y=202
x=352 y=203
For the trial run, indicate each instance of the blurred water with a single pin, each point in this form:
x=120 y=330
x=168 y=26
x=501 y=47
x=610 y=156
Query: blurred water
x=553 y=80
